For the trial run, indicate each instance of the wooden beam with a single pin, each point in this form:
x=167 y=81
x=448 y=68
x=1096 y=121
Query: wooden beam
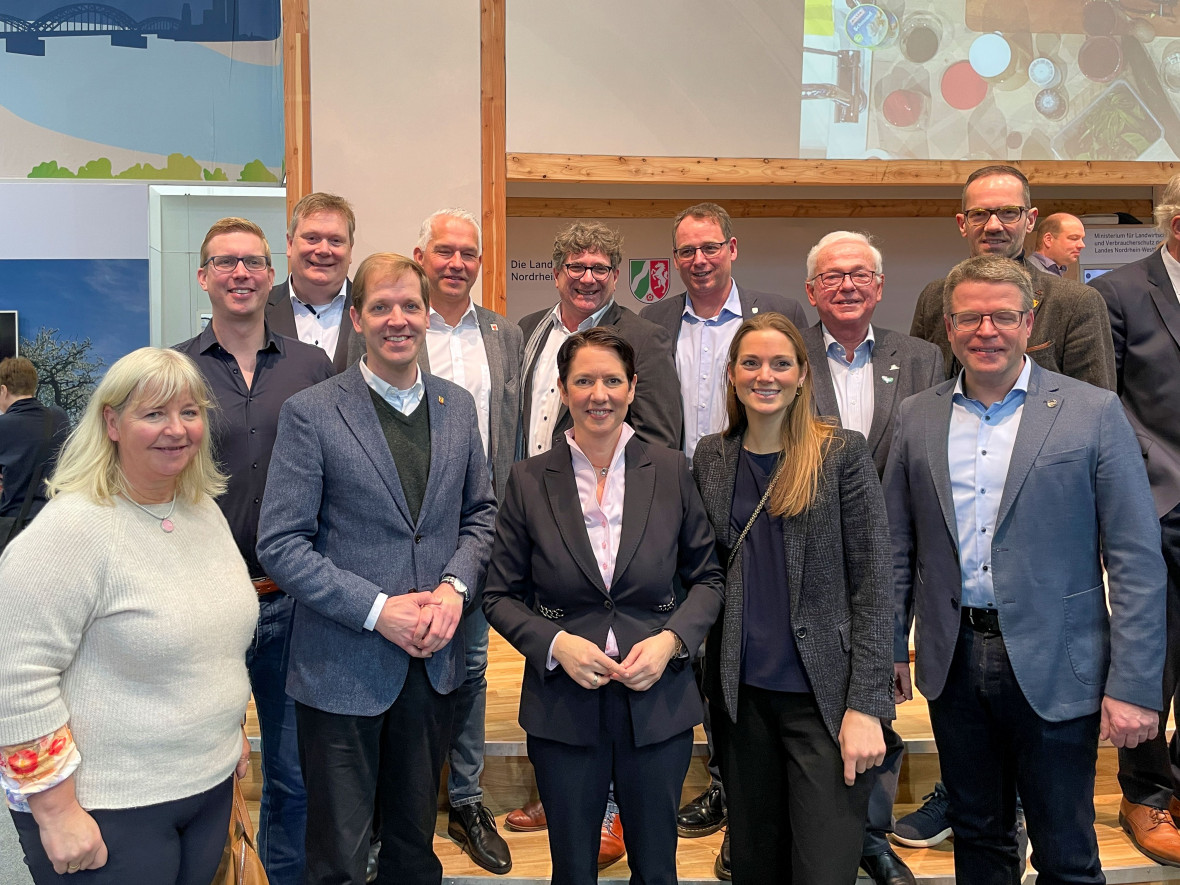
x=296 y=101
x=550 y=207
x=493 y=88
x=601 y=169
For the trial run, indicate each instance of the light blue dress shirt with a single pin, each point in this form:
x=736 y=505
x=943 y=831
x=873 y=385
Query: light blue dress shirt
x=702 y=353
x=853 y=382
x=979 y=449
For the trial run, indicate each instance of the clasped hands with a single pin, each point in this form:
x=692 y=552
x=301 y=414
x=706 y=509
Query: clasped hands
x=586 y=664
x=421 y=623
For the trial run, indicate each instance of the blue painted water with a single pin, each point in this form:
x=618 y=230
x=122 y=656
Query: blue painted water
x=172 y=97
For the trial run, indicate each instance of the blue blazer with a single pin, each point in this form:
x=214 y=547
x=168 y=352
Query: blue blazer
x=335 y=531
x=1076 y=496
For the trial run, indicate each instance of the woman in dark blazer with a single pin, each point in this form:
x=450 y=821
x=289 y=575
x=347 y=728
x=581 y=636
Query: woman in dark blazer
x=799 y=670
x=590 y=540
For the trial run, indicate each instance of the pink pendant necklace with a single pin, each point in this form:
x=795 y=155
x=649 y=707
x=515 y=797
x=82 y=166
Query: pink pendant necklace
x=165 y=520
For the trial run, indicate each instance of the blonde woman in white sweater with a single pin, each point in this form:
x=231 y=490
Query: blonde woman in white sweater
x=125 y=614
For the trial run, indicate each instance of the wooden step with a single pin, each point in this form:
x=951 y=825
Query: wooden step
x=508 y=782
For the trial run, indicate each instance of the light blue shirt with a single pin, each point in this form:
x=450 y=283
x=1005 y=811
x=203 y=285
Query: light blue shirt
x=853 y=382
x=404 y=401
x=979 y=449
x=702 y=353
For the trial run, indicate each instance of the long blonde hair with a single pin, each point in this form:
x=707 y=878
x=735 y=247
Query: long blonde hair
x=89 y=461
x=805 y=438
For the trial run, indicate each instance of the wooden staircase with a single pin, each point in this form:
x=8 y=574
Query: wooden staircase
x=508 y=783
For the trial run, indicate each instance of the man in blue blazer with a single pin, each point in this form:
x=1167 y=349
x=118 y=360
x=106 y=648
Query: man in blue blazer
x=378 y=519
x=1008 y=488
x=1145 y=319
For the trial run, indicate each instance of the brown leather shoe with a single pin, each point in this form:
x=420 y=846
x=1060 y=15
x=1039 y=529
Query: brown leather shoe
x=1152 y=830
x=529 y=818
x=1174 y=810
x=611 y=849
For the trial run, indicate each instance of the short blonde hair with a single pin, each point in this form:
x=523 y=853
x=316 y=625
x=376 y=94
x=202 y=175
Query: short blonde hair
x=89 y=461
x=386 y=267
x=233 y=225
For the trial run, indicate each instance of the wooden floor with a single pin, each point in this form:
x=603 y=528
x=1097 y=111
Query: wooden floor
x=508 y=783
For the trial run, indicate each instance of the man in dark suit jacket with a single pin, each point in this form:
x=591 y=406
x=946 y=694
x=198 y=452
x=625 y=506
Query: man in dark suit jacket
x=860 y=375
x=1071 y=333
x=378 y=519
x=702 y=320
x=1145 y=320
x=586 y=300
x=480 y=351
x=312 y=304
x=1008 y=491
x=28 y=430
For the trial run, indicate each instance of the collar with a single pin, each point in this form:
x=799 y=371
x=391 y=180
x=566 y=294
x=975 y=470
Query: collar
x=589 y=323
x=869 y=343
x=1019 y=388
x=469 y=318
x=625 y=434
x=732 y=305
x=387 y=391
x=272 y=341
x=295 y=299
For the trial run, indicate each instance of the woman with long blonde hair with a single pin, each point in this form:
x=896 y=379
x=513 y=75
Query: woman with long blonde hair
x=798 y=670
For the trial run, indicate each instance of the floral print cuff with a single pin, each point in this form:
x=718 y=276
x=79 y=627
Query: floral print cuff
x=37 y=765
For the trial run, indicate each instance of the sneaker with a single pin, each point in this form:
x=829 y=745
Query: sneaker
x=926 y=827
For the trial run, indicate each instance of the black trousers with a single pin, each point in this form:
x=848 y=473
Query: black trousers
x=791 y=817
x=171 y=843
x=396 y=758
x=573 y=783
x=992 y=743
x=1150 y=773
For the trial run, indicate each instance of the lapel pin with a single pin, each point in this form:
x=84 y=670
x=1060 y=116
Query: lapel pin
x=441 y=401
x=894 y=368
x=753 y=310
x=887 y=379
x=495 y=328
x=1051 y=403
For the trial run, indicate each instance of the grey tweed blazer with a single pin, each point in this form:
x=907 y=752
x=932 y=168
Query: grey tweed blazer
x=839 y=582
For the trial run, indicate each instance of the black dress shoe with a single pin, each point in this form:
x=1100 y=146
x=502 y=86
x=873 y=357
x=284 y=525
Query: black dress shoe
x=887 y=869
x=703 y=815
x=721 y=864
x=371 y=862
x=474 y=828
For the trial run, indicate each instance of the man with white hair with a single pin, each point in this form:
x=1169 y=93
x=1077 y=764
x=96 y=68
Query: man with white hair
x=861 y=373
x=1141 y=299
x=479 y=350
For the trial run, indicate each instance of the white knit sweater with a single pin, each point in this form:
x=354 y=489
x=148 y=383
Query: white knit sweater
x=135 y=636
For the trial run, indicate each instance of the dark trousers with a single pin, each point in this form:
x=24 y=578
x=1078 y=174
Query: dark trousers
x=713 y=760
x=573 y=782
x=791 y=817
x=283 y=812
x=397 y=757
x=990 y=744
x=1150 y=772
x=882 y=793
x=171 y=843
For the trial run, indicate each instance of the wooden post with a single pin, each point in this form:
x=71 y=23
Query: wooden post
x=296 y=101
x=492 y=151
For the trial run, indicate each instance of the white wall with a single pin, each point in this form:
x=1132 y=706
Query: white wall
x=395 y=122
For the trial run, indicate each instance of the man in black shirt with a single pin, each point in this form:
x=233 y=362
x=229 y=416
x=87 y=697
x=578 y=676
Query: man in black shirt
x=22 y=431
x=252 y=371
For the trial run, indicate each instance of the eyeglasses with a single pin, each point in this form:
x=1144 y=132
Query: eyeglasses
x=227 y=263
x=1006 y=215
x=577 y=271
x=709 y=250
x=969 y=321
x=834 y=279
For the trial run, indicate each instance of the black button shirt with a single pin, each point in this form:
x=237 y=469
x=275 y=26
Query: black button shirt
x=244 y=425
